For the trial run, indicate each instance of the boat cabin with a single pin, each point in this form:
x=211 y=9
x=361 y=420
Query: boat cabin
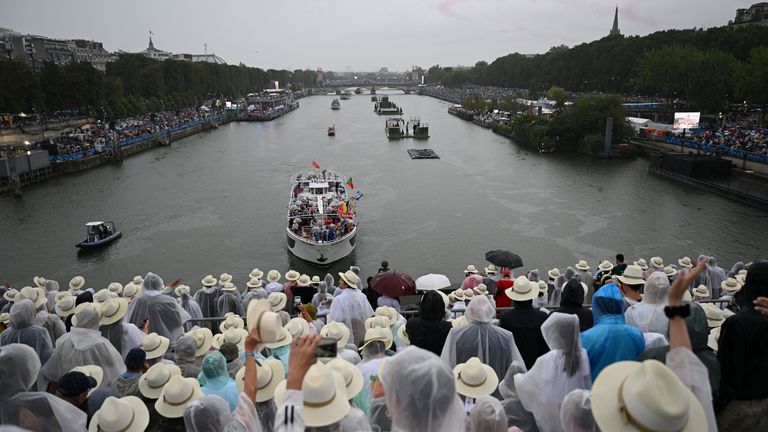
x=96 y=231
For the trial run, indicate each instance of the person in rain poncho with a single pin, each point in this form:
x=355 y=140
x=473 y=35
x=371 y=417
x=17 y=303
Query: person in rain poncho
x=374 y=353
x=51 y=288
x=212 y=413
x=188 y=304
x=572 y=303
x=648 y=315
x=228 y=301
x=739 y=266
x=560 y=282
x=351 y=307
x=124 y=336
x=703 y=278
x=165 y=316
x=524 y=322
x=184 y=355
x=428 y=330
x=21 y=365
x=516 y=414
x=421 y=393
x=127 y=384
x=488 y=415
x=50 y=322
x=493 y=345
x=716 y=277
x=611 y=339
x=39 y=411
x=232 y=355
x=555 y=374
x=23 y=331
x=215 y=380
x=206 y=298
x=576 y=412
x=256 y=291
x=584 y=274
x=322 y=300
x=82 y=346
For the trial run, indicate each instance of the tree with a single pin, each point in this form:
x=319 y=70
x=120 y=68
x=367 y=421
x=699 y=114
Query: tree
x=587 y=116
x=558 y=95
x=752 y=78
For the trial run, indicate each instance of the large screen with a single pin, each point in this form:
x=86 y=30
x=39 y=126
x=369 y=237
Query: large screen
x=687 y=120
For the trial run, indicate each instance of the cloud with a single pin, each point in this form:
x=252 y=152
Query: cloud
x=445 y=7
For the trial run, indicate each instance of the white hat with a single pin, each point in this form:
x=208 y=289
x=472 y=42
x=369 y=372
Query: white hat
x=304 y=281
x=225 y=278
x=84 y=308
x=131 y=290
x=470 y=269
x=481 y=289
x=474 y=379
x=670 y=271
x=685 y=262
x=155 y=378
x=115 y=287
x=741 y=278
x=103 y=295
x=458 y=295
x=92 y=371
x=203 y=337
x=176 y=395
x=297 y=327
x=353 y=377
x=633 y=396
x=657 y=263
x=325 y=396
x=642 y=264
x=209 y=281
x=336 y=330
x=137 y=280
x=350 y=278
x=273 y=276
x=715 y=317
x=292 y=275
x=701 y=291
x=61 y=294
x=255 y=274
x=491 y=269
x=378 y=334
x=387 y=312
x=315 y=280
x=554 y=273
x=284 y=338
x=377 y=321
x=10 y=294
x=5 y=318
x=713 y=339
x=403 y=335
x=268 y=375
x=77 y=283
x=181 y=289
x=39 y=281
x=582 y=265
x=633 y=275
x=253 y=283
x=113 y=310
x=260 y=316
x=155 y=345
x=522 y=290
x=231 y=320
x=277 y=300
x=730 y=286
x=36 y=295
x=605 y=266
x=460 y=321
x=126 y=414
x=231 y=335
x=687 y=296
x=229 y=287
x=65 y=307
x=468 y=294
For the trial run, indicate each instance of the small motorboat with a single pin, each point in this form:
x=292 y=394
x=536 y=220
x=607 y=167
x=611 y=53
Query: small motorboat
x=99 y=234
x=332 y=130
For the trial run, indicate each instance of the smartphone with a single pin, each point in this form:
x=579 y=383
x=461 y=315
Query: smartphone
x=327 y=348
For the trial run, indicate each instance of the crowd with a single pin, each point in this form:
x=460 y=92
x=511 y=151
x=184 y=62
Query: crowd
x=640 y=346
x=457 y=95
x=752 y=140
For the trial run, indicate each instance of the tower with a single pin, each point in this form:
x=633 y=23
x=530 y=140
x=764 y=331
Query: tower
x=615 y=30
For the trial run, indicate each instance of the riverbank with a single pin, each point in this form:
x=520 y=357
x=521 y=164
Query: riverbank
x=35 y=132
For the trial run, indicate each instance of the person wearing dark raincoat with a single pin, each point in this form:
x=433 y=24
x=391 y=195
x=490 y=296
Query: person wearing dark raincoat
x=429 y=330
x=572 y=302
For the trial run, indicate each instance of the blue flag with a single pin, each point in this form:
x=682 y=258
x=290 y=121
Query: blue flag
x=358 y=195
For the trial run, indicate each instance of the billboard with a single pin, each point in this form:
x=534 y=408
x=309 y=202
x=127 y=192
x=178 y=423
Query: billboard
x=687 y=120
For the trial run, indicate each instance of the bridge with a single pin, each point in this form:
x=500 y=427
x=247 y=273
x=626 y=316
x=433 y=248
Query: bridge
x=365 y=85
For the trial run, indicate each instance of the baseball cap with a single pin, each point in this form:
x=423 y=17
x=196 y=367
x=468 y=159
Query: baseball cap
x=74 y=384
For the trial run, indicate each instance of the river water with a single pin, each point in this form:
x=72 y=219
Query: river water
x=216 y=202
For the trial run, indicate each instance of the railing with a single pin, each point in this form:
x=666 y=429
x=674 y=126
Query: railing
x=714 y=148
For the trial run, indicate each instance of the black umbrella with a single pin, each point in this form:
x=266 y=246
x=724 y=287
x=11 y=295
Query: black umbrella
x=504 y=258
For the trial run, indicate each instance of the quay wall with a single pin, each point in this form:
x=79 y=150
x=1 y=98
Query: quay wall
x=740 y=164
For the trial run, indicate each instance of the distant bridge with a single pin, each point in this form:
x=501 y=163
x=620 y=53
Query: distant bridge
x=366 y=85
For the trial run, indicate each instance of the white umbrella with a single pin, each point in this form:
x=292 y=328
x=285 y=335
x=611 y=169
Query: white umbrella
x=431 y=282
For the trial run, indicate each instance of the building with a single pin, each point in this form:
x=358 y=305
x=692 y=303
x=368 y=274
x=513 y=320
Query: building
x=755 y=14
x=615 y=29
x=36 y=50
x=205 y=58
x=155 y=53
x=91 y=52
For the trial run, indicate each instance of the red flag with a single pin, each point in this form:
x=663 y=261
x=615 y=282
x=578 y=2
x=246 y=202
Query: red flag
x=315 y=165
x=350 y=184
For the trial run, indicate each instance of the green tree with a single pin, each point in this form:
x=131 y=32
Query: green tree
x=752 y=78
x=557 y=94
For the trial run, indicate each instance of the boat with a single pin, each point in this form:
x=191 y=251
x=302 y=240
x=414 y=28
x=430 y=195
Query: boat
x=346 y=95
x=398 y=128
x=322 y=221
x=99 y=234
x=374 y=98
x=335 y=105
x=419 y=129
x=358 y=91
x=385 y=107
x=332 y=130
x=394 y=128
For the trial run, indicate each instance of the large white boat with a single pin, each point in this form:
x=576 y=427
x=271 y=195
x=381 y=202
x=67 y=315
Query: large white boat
x=322 y=219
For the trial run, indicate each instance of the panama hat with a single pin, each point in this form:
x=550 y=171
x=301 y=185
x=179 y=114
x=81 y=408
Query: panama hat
x=378 y=334
x=113 y=310
x=353 y=377
x=65 y=307
x=403 y=335
x=657 y=263
x=231 y=335
x=315 y=280
x=225 y=278
x=231 y=320
x=642 y=264
x=741 y=278
x=277 y=301
x=377 y=321
x=273 y=276
x=297 y=327
x=491 y=269
x=350 y=278
x=126 y=414
x=387 y=312
x=83 y=308
x=229 y=287
x=61 y=294
x=268 y=375
x=713 y=338
x=730 y=286
x=92 y=371
x=77 y=283
x=633 y=275
x=470 y=269
x=203 y=339
x=36 y=295
x=137 y=280
x=284 y=338
x=155 y=345
x=10 y=294
x=582 y=265
x=261 y=316
x=39 y=281
x=209 y=281
x=338 y=331
x=685 y=262
x=155 y=378
x=325 y=396
x=701 y=291
x=468 y=294
x=460 y=321
x=103 y=295
x=554 y=273
x=522 y=290
x=715 y=316
x=255 y=274
x=670 y=271
x=687 y=296
x=474 y=379
x=481 y=289
x=458 y=295
x=605 y=266
x=253 y=283
x=292 y=275
x=131 y=291
x=181 y=289
x=5 y=318
x=176 y=395
x=446 y=300
x=304 y=281
x=634 y=396
x=115 y=287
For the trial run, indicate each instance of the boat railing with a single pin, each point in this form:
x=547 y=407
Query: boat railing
x=340 y=238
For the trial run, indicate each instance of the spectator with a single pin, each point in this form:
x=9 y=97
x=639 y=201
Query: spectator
x=524 y=322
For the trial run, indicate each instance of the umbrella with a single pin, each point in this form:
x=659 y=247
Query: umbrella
x=431 y=282
x=504 y=258
x=393 y=284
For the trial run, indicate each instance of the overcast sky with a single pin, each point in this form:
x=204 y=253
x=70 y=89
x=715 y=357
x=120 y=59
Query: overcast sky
x=359 y=35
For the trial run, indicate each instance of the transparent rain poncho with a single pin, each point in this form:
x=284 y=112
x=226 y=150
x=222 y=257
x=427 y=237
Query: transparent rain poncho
x=488 y=415
x=493 y=345
x=421 y=393
x=253 y=294
x=322 y=299
x=351 y=308
x=516 y=414
x=555 y=374
x=41 y=411
x=716 y=277
x=267 y=411
x=19 y=372
x=739 y=266
x=51 y=288
x=206 y=298
x=184 y=356
x=164 y=314
x=576 y=412
x=229 y=302
x=209 y=413
x=648 y=315
x=190 y=305
x=23 y=331
x=215 y=380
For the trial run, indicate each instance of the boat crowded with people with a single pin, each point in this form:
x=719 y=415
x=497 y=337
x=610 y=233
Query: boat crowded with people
x=322 y=219
x=332 y=130
x=335 y=104
x=99 y=234
x=384 y=106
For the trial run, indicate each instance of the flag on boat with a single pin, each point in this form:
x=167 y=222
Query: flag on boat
x=343 y=207
x=358 y=195
x=350 y=184
x=315 y=165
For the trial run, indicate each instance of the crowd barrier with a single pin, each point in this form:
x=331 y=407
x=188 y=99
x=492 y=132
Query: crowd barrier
x=713 y=148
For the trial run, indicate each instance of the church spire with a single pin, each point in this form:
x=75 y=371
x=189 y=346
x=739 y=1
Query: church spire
x=615 y=30
x=151 y=45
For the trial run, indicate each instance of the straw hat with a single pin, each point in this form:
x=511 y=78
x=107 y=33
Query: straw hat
x=297 y=327
x=82 y=308
x=126 y=414
x=181 y=289
x=253 y=283
x=273 y=276
x=61 y=294
x=685 y=262
x=229 y=287
x=446 y=300
x=325 y=396
x=730 y=286
x=77 y=283
x=176 y=395
x=642 y=264
x=458 y=295
x=155 y=378
x=377 y=321
x=155 y=345
x=741 y=278
x=657 y=263
x=633 y=275
x=701 y=291
x=65 y=307
x=208 y=281
x=687 y=296
x=605 y=266
x=39 y=281
x=403 y=335
x=582 y=265
x=103 y=295
x=131 y=291
x=583 y=286
x=268 y=375
x=292 y=275
x=474 y=379
x=471 y=269
x=256 y=274
x=277 y=301
x=113 y=310
x=491 y=269
x=481 y=289
x=203 y=339
x=225 y=278
x=468 y=294
x=284 y=338
x=554 y=273
x=387 y=312
x=315 y=280
x=261 y=316
x=115 y=287
x=715 y=317
x=36 y=295
x=522 y=290
x=5 y=318
x=338 y=331
x=231 y=335
x=92 y=371
x=231 y=320
x=353 y=377
x=304 y=281
x=634 y=396
x=137 y=280
x=10 y=294
x=378 y=334
x=670 y=271
x=350 y=278
x=459 y=322
x=713 y=339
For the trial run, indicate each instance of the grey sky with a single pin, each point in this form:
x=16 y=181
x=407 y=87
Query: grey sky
x=363 y=35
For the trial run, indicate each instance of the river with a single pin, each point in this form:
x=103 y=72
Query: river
x=216 y=202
